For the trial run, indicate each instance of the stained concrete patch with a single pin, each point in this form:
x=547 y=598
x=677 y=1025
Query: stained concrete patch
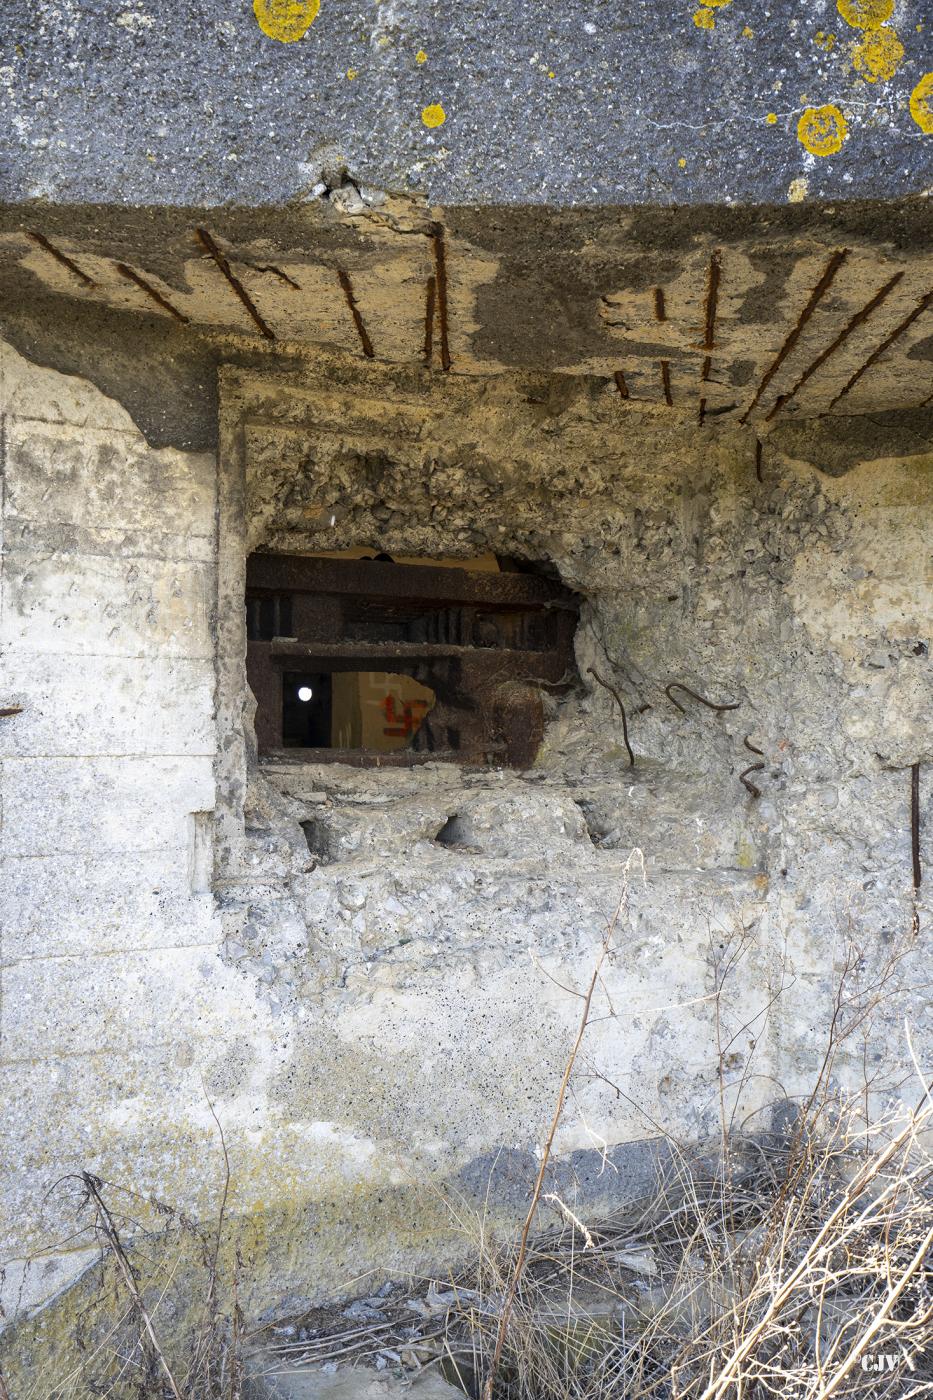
x=835 y=446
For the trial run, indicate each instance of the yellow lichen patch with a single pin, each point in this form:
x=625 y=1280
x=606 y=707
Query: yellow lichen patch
x=715 y=4
x=434 y=115
x=771 y=118
x=865 y=14
x=748 y=33
x=878 y=55
x=704 y=19
x=822 y=130
x=824 y=41
x=797 y=190
x=921 y=104
x=421 y=56
x=285 y=20
x=682 y=163
x=351 y=74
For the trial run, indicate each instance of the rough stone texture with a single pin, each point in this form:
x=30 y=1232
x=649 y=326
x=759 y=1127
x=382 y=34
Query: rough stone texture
x=581 y=104
x=369 y=976
x=314 y=1383
x=376 y=1014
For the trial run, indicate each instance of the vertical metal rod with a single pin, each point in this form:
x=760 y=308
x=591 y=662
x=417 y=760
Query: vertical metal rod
x=915 y=822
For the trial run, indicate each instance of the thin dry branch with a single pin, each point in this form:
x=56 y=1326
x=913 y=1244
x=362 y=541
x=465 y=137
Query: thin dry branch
x=518 y=1268
x=109 y=1231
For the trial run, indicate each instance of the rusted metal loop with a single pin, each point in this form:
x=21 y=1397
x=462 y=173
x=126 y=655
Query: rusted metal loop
x=747 y=782
x=11 y=710
x=710 y=704
x=752 y=748
x=618 y=699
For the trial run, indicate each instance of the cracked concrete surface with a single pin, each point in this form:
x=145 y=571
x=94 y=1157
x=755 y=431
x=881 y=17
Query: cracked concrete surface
x=369 y=1006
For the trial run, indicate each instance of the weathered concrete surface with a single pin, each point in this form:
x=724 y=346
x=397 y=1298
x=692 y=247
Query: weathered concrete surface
x=585 y=104
x=313 y=1383
x=380 y=1028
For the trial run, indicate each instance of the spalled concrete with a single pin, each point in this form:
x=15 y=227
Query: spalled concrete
x=379 y=1015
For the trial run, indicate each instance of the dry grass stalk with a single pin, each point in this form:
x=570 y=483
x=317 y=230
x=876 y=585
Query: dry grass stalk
x=512 y=1287
x=105 y=1224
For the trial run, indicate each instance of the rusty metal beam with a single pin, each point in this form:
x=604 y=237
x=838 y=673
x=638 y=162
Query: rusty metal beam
x=433 y=585
x=380 y=656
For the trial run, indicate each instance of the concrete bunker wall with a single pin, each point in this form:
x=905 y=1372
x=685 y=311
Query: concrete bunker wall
x=394 y=1014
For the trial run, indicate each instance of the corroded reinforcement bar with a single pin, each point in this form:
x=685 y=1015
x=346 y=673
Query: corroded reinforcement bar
x=60 y=257
x=152 y=292
x=746 y=781
x=712 y=302
x=621 y=385
x=282 y=276
x=666 y=382
x=210 y=247
x=618 y=699
x=857 y=320
x=344 y=279
x=888 y=341
x=440 y=273
x=710 y=704
x=915 y=823
x=822 y=286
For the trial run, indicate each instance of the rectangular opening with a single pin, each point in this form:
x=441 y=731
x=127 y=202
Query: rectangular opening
x=366 y=660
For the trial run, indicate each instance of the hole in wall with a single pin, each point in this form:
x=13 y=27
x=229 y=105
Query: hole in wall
x=452 y=833
x=369 y=659
x=319 y=840
x=598 y=828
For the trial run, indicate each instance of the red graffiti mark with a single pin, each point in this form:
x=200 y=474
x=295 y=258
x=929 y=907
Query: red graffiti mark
x=405 y=722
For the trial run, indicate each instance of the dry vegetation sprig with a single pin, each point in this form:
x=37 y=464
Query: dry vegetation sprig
x=153 y=1259
x=508 y=1304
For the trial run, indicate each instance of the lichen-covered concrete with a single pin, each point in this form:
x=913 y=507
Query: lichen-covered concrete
x=650 y=102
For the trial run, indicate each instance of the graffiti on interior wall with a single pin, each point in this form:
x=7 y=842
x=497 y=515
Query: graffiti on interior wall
x=403 y=723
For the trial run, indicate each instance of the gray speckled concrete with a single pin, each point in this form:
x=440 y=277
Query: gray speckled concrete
x=153 y=102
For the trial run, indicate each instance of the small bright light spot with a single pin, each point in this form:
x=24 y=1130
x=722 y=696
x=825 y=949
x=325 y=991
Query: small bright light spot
x=305 y=693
